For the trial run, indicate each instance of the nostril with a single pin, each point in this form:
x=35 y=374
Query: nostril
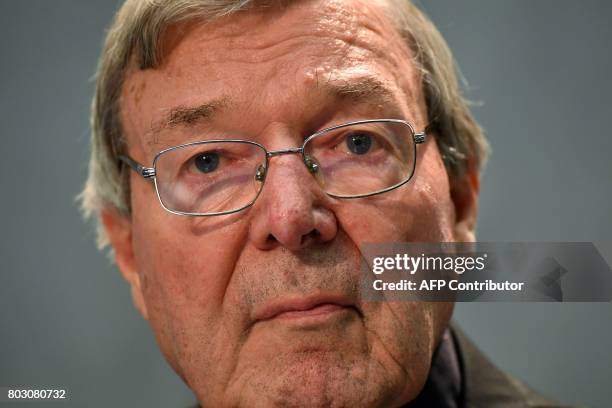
x=313 y=235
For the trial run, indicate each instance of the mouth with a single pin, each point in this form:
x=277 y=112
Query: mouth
x=314 y=308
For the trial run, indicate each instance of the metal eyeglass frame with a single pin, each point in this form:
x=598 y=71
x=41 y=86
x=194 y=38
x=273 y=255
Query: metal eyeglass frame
x=149 y=173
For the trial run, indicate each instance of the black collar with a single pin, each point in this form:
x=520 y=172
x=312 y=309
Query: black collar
x=443 y=388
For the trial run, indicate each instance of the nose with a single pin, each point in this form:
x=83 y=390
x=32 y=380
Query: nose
x=292 y=210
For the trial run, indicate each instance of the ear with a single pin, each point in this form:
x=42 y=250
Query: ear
x=119 y=231
x=464 y=191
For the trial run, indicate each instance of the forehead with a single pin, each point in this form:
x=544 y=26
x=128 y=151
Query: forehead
x=272 y=56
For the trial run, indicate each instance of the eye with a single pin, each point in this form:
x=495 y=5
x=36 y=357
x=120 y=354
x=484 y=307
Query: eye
x=207 y=162
x=359 y=143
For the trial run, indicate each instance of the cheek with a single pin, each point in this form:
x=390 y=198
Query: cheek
x=185 y=265
x=419 y=211
x=185 y=275
x=183 y=259
x=402 y=336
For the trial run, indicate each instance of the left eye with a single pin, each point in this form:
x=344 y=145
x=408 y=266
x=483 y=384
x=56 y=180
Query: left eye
x=359 y=143
x=207 y=162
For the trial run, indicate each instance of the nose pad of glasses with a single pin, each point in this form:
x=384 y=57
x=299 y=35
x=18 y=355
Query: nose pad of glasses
x=312 y=165
x=314 y=168
x=260 y=173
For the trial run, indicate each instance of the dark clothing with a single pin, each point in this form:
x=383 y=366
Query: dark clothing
x=462 y=377
x=444 y=386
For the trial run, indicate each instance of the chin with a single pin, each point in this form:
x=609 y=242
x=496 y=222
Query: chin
x=321 y=379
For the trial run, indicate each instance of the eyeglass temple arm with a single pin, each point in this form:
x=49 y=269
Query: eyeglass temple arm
x=145 y=172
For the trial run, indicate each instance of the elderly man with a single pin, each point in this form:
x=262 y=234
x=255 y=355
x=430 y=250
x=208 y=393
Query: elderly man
x=242 y=152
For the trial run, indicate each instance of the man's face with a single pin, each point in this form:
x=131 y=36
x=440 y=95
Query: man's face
x=262 y=307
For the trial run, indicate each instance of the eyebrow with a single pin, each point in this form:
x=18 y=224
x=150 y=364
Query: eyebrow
x=363 y=89
x=192 y=115
x=366 y=89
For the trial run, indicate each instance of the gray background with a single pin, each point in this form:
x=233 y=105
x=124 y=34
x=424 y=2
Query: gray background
x=542 y=70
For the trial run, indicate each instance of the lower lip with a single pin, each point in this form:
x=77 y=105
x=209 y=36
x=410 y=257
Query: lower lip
x=316 y=313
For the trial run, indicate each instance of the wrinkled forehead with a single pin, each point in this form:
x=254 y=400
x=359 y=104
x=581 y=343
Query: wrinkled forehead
x=268 y=31
x=305 y=46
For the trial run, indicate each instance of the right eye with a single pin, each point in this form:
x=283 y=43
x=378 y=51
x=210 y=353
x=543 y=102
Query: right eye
x=206 y=162
x=359 y=142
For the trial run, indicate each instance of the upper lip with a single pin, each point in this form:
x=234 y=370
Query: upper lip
x=270 y=310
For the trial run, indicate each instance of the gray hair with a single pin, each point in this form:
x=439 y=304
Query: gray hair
x=133 y=40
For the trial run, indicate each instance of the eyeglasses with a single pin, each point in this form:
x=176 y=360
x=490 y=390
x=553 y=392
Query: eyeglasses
x=217 y=177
